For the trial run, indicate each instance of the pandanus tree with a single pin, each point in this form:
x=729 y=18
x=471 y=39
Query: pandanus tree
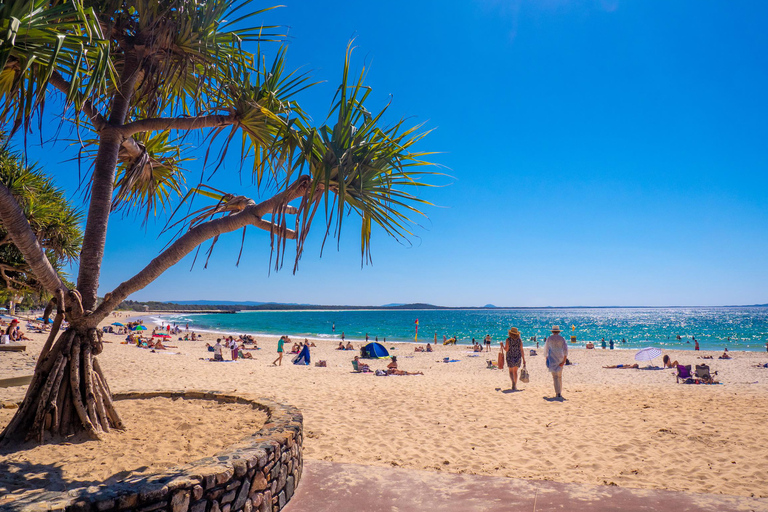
x=55 y=222
x=134 y=77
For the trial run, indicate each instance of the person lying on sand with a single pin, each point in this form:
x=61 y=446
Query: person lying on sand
x=624 y=366
x=418 y=349
x=668 y=363
x=295 y=349
x=242 y=353
x=707 y=357
x=392 y=369
x=725 y=356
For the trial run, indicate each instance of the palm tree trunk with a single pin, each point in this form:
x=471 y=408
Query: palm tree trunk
x=105 y=165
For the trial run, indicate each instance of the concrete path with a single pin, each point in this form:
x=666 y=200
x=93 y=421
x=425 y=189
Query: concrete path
x=337 y=487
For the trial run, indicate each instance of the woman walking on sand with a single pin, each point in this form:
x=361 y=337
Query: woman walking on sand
x=514 y=352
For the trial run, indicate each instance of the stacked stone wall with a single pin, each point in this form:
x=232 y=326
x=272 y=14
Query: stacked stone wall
x=258 y=474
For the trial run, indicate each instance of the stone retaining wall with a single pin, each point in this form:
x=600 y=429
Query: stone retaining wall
x=257 y=474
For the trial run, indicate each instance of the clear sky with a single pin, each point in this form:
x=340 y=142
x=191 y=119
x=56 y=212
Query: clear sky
x=602 y=152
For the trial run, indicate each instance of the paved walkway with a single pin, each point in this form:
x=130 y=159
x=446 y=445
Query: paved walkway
x=337 y=487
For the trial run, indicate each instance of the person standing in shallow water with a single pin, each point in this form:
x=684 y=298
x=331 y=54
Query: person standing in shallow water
x=513 y=349
x=556 y=352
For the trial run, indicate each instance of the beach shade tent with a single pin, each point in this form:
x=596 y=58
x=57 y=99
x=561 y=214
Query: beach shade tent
x=118 y=324
x=139 y=328
x=647 y=354
x=303 y=357
x=374 y=350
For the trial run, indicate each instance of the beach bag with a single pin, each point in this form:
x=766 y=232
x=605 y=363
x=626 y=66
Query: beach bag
x=5 y=339
x=381 y=373
x=501 y=360
x=524 y=377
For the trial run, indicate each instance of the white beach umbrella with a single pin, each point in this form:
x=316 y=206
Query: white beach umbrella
x=647 y=354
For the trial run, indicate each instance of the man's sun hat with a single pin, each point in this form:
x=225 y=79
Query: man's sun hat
x=555 y=328
x=513 y=330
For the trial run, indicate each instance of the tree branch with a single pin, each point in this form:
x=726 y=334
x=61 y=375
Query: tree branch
x=129 y=145
x=176 y=123
x=96 y=118
x=250 y=216
x=17 y=225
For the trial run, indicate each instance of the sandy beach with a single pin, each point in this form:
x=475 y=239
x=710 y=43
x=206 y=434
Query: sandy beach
x=632 y=428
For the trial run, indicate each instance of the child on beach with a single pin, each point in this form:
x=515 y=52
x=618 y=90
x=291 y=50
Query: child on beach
x=217 y=351
x=280 y=343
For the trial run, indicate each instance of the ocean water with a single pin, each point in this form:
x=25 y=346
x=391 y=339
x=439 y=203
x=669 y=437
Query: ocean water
x=740 y=328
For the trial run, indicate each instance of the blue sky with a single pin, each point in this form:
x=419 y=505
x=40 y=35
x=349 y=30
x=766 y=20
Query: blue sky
x=601 y=152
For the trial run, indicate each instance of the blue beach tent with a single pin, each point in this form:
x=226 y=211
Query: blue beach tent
x=303 y=357
x=374 y=350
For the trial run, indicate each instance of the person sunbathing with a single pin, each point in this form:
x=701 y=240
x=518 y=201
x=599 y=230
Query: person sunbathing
x=295 y=349
x=159 y=345
x=590 y=345
x=725 y=356
x=392 y=369
x=668 y=363
x=429 y=348
x=349 y=346
x=361 y=366
x=341 y=346
x=623 y=366
x=478 y=348
x=242 y=353
x=418 y=349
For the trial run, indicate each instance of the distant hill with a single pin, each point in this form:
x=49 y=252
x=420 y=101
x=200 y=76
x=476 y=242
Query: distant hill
x=233 y=306
x=222 y=303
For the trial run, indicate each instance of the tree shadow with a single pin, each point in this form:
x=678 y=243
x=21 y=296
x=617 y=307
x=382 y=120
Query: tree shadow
x=23 y=482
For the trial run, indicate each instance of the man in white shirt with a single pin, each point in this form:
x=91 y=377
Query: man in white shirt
x=556 y=352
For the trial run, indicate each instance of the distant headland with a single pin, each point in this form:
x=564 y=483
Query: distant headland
x=211 y=306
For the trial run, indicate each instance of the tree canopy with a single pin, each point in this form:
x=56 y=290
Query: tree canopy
x=134 y=78
x=55 y=222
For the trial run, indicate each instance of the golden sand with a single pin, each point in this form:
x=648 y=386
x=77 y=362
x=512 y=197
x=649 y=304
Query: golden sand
x=633 y=428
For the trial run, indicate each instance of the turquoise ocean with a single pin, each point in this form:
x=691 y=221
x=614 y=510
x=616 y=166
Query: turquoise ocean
x=738 y=328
